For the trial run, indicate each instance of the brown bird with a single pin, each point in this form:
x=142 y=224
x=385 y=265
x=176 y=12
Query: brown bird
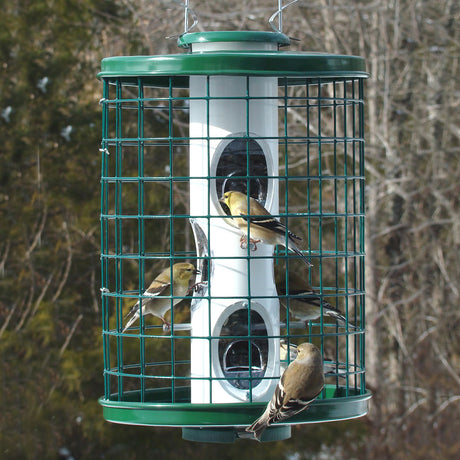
x=299 y=386
x=306 y=306
x=158 y=300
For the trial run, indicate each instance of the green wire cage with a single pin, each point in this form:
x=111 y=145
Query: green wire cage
x=233 y=112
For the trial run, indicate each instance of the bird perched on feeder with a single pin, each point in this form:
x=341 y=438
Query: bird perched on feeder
x=157 y=302
x=299 y=386
x=306 y=306
x=263 y=227
x=330 y=368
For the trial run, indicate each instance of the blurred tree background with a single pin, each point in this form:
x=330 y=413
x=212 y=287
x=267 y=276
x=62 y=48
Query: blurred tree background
x=50 y=127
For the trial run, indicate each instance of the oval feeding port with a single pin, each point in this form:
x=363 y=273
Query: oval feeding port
x=233 y=169
x=236 y=364
x=244 y=362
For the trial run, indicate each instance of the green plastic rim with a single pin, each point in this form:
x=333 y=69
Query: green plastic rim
x=156 y=410
x=156 y=70
x=186 y=40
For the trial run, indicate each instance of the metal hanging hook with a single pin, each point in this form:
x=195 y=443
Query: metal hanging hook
x=279 y=13
x=187 y=11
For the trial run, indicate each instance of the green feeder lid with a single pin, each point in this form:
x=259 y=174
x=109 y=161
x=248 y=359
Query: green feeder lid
x=253 y=59
x=186 y=40
x=156 y=70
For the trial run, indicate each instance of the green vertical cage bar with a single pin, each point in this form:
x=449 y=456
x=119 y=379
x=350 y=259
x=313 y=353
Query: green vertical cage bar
x=140 y=197
x=145 y=227
x=104 y=242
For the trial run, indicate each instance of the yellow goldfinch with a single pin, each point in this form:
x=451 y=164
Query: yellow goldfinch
x=306 y=306
x=263 y=227
x=299 y=386
x=158 y=303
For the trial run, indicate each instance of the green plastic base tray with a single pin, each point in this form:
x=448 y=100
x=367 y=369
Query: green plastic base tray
x=224 y=422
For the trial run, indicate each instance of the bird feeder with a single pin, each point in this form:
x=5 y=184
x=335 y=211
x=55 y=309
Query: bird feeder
x=233 y=112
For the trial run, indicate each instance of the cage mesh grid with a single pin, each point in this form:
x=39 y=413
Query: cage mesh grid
x=145 y=154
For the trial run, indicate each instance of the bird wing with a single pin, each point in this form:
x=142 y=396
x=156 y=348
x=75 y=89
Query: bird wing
x=280 y=408
x=269 y=223
x=328 y=309
x=311 y=297
x=292 y=407
x=156 y=288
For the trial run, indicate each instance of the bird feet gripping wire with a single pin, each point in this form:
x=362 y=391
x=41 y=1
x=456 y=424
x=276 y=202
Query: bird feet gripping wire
x=197 y=287
x=166 y=325
x=252 y=243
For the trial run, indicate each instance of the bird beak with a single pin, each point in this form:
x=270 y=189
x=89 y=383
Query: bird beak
x=196 y=271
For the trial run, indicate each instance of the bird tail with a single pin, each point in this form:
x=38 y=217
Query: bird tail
x=337 y=316
x=331 y=369
x=134 y=312
x=295 y=249
x=258 y=427
x=333 y=313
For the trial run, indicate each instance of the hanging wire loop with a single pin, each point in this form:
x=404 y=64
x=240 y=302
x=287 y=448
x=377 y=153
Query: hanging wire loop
x=187 y=11
x=279 y=13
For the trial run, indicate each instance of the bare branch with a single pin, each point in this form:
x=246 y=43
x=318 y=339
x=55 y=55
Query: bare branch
x=10 y=315
x=439 y=257
x=38 y=233
x=70 y=335
x=445 y=362
x=42 y=295
x=93 y=291
x=444 y=405
x=28 y=307
x=6 y=251
x=68 y=264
